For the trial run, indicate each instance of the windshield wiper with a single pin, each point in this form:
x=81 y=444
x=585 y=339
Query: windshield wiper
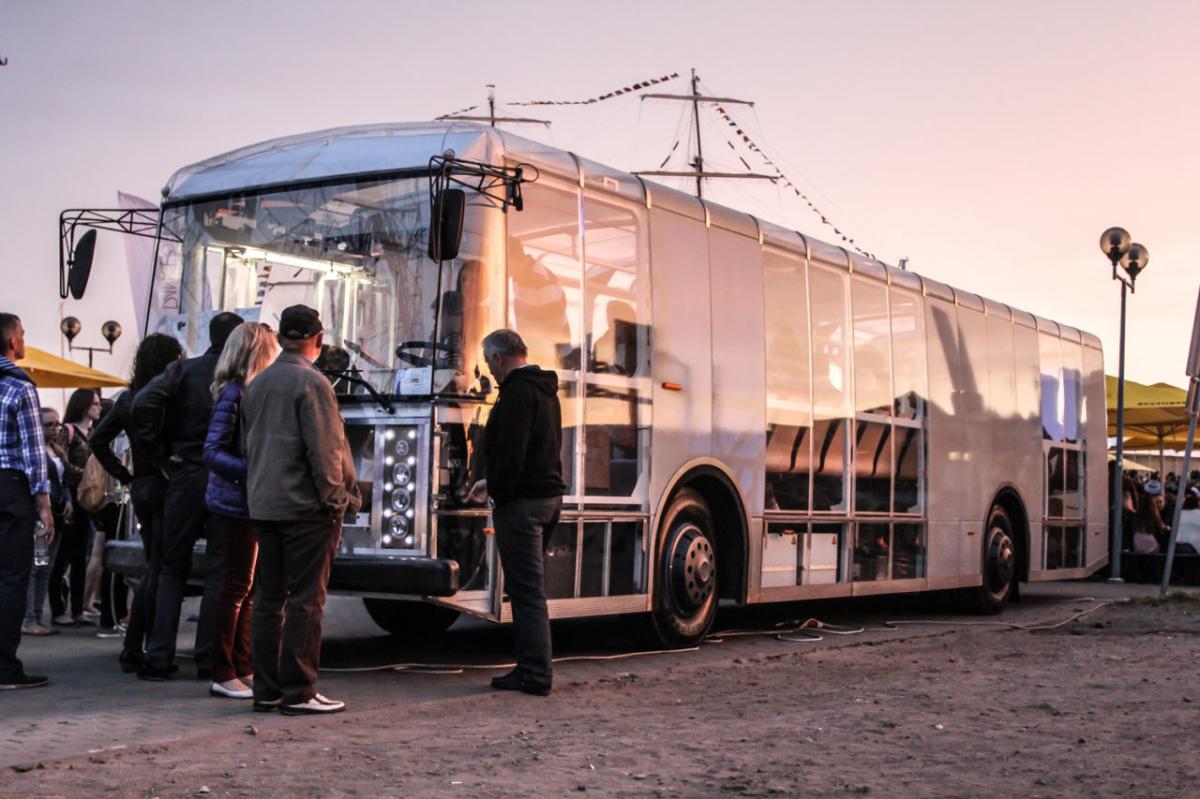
x=350 y=377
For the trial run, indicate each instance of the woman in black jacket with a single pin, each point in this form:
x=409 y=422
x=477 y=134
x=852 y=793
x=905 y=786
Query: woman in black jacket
x=147 y=485
x=250 y=349
x=83 y=408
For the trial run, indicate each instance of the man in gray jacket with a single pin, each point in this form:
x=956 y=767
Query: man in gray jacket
x=300 y=484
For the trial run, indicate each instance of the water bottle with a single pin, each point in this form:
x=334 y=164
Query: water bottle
x=41 y=549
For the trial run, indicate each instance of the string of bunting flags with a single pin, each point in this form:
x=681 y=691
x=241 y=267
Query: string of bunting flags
x=787 y=183
x=466 y=110
x=637 y=87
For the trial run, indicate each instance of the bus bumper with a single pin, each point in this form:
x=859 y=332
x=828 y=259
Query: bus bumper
x=370 y=574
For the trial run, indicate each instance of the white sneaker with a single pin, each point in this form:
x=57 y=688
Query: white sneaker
x=233 y=689
x=318 y=704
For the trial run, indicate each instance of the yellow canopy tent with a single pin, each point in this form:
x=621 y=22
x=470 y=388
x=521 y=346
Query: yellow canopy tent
x=1130 y=466
x=51 y=371
x=1155 y=415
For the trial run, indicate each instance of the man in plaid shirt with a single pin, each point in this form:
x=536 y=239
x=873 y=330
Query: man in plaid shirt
x=24 y=497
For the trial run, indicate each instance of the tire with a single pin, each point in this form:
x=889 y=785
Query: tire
x=684 y=576
x=999 y=565
x=410 y=619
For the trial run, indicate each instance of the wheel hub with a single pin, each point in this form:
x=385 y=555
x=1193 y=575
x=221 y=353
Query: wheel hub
x=1001 y=560
x=692 y=569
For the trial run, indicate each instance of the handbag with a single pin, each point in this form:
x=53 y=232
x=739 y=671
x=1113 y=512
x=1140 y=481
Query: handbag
x=96 y=488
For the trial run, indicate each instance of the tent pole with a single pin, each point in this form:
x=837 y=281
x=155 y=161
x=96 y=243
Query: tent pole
x=1187 y=465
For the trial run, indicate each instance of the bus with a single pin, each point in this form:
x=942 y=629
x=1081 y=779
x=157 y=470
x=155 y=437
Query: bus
x=749 y=413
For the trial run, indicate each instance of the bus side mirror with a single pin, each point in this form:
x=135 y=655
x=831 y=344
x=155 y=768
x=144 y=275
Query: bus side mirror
x=81 y=264
x=446 y=225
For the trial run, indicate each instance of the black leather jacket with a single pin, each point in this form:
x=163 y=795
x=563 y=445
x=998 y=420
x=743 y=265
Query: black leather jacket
x=171 y=413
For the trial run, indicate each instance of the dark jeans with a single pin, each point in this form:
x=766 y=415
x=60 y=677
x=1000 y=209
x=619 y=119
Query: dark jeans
x=523 y=530
x=235 y=608
x=18 y=514
x=72 y=555
x=185 y=520
x=147 y=494
x=294 y=558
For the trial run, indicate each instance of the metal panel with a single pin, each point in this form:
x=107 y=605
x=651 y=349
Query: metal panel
x=998 y=309
x=733 y=221
x=682 y=346
x=1046 y=326
x=968 y=300
x=1023 y=319
x=799 y=592
x=782 y=237
x=970 y=540
x=945 y=446
x=861 y=265
x=943 y=550
x=738 y=360
x=828 y=254
x=780 y=555
x=1095 y=431
x=668 y=199
x=978 y=476
x=606 y=179
x=935 y=289
x=901 y=277
x=1069 y=333
x=876 y=587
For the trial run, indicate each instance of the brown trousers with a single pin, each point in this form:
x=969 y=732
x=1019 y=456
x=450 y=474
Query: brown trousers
x=294 y=559
x=235 y=608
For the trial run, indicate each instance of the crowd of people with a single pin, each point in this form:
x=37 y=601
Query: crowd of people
x=244 y=447
x=1147 y=508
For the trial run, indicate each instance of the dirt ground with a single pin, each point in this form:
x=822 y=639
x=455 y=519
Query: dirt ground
x=1106 y=705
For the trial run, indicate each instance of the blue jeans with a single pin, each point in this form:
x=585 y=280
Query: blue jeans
x=39 y=582
x=523 y=530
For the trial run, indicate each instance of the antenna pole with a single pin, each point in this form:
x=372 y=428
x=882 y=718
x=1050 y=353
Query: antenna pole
x=699 y=162
x=696 y=98
x=491 y=87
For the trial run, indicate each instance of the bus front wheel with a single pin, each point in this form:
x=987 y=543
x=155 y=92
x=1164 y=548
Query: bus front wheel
x=999 y=564
x=410 y=619
x=685 y=573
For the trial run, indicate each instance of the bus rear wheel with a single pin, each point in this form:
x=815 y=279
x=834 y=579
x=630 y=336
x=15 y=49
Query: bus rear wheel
x=999 y=564
x=685 y=573
x=410 y=619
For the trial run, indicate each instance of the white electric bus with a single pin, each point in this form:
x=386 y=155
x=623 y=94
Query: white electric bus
x=749 y=413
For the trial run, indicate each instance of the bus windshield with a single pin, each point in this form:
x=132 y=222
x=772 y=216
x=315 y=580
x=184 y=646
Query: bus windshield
x=356 y=252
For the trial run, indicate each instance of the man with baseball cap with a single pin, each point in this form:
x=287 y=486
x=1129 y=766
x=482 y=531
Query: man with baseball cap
x=300 y=484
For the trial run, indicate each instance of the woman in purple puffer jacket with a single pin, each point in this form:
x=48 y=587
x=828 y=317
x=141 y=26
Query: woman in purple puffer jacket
x=250 y=349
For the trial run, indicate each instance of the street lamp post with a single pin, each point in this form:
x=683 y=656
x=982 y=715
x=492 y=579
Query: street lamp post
x=1128 y=260
x=70 y=329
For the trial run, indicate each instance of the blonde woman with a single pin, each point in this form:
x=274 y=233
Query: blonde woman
x=250 y=349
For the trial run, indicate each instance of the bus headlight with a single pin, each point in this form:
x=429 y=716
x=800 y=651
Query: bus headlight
x=401 y=499
x=400 y=453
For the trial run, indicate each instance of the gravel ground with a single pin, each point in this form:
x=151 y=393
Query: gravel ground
x=1105 y=705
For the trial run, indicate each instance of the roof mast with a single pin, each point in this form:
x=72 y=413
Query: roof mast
x=491 y=118
x=695 y=98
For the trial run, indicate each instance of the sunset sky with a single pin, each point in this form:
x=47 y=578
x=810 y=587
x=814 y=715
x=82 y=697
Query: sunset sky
x=989 y=143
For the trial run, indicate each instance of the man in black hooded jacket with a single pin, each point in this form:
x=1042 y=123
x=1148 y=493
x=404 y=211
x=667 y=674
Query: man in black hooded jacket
x=173 y=410
x=523 y=453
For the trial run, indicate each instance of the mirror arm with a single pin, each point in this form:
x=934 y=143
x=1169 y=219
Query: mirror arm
x=358 y=381
x=130 y=221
